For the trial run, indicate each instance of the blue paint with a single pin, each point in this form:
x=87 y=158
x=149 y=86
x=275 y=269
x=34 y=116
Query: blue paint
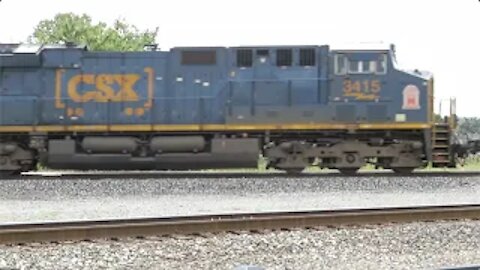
x=202 y=93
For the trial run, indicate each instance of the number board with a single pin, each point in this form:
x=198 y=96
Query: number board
x=362 y=89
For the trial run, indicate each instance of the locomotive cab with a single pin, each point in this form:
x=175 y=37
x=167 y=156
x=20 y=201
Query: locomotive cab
x=380 y=90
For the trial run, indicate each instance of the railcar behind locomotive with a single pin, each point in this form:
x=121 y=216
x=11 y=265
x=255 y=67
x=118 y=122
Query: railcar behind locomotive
x=216 y=107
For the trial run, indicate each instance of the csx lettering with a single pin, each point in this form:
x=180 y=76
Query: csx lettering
x=104 y=87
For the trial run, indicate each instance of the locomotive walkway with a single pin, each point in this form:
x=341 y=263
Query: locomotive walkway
x=114 y=229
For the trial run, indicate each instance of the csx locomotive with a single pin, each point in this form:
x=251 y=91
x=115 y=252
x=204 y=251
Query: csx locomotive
x=215 y=107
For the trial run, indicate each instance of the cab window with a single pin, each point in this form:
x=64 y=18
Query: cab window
x=381 y=64
x=340 y=64
x=376 y=65
x=354 y=66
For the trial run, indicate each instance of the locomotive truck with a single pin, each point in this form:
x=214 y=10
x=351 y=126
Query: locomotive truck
x=217 y=107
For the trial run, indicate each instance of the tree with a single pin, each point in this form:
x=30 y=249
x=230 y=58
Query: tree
x=69 y=27
x=468 y=128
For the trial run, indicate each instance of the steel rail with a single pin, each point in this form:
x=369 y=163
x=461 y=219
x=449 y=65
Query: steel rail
x=87 y=230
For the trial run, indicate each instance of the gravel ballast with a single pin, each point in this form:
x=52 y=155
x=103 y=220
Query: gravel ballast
x=37 y=200
x=399 y=246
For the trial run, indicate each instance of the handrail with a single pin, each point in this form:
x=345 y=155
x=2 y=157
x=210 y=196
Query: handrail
x=451 y=111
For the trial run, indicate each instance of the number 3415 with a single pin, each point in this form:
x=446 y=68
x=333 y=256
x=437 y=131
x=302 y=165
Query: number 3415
x=362 y=86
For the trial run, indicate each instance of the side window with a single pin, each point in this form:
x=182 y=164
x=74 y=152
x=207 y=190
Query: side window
x=340 y=64
x=372 y=66
x=381 y=64
x=353 y=66
x=244 y=58
x=284 y=57
x=367 y=67
x=307 y=57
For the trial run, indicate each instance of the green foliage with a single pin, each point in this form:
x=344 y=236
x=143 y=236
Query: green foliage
x=69 y=27
x=472 y=161
x=468 y=128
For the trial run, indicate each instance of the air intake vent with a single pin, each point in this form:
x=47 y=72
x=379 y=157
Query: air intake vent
x=307 y=57
x=244 y=58
x=284 y=57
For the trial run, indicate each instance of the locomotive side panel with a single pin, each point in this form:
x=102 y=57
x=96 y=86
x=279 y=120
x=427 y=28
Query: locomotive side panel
x=274 y=85
x=278 y=85
x=104 y=89
x=214 y=107
x=196 y=86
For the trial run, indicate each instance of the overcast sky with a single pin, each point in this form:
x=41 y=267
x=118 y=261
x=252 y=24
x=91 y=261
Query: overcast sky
x=439 y=36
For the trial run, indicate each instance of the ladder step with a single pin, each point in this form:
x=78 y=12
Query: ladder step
x=440 y=154
x=444 y=146
x=442 y=165
x=445 y=161
x=441 y=145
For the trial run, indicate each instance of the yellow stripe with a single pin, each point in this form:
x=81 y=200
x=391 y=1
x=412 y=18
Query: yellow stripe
x=150 y=74
x=213 y=127
x=58 y=89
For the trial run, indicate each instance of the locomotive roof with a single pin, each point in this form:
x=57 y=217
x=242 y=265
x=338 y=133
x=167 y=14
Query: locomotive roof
x=34 y=48
x=362 y=47
x=338 y=47
x=37 y=48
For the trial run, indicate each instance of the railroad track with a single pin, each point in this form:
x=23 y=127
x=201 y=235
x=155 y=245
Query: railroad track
x=113 y=229
x=202 y=174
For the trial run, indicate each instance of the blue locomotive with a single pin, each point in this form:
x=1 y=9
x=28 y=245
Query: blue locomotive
x=216 y=107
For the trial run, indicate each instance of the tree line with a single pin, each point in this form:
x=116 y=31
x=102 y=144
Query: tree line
x=81 y=29
x=468 y=129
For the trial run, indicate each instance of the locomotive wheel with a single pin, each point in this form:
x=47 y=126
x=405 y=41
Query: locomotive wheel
x=348 y=171
x=15 y=159
x=403 y=170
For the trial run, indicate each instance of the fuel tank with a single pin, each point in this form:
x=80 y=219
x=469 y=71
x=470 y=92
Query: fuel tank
x=109 y=145
x=177 y=144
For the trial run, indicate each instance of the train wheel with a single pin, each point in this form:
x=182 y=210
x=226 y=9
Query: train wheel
x=15 y=159
x=403 y=170
x=348 y=171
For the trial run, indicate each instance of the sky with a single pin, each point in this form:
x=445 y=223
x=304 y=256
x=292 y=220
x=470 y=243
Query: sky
x=442 y=37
